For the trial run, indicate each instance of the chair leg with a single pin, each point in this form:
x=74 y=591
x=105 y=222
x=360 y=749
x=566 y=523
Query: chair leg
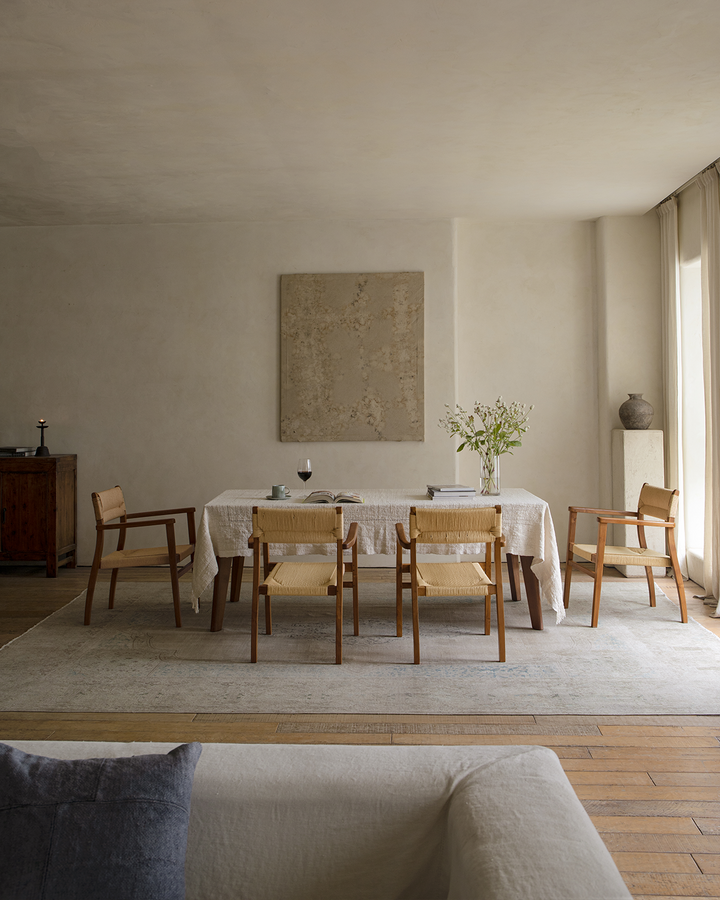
x=416 y=629
x=596 y=595
x=678 y=577
x=338 y=629
x=255 y=601
x=568 y=577
x=254 y=627
x=681 y=594
x=572 y=524
x=90 y=592
x=175 y=592
x=113 y=585
x=487 y=613
x=355 y=590
x=651 y=584
x=399 y=612
x=398 y=591
x=599 y=568
x=499 y=602
x=356 y=610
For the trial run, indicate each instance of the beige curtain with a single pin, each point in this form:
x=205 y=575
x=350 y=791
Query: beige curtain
x=672 y=365
x=710 y=230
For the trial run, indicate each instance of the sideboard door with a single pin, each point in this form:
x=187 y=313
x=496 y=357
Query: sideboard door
x=38 y=510
x=25 y=510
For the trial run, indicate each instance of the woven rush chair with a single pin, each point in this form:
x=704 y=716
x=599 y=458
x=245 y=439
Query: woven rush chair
x=303 y=579
x=451 y=579
x=659 y=503
x=110 y=505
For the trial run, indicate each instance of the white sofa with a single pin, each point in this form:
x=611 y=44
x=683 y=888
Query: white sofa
x=299 y=822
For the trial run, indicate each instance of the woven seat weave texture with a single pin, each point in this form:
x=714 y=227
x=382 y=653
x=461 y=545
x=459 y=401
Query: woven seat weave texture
x=624 y=556
x=144 y=556
x=302 y=579
x=452 y=579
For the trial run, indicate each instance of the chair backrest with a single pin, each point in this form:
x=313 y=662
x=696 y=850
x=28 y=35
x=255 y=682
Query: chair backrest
x=456 y=526
x=657 y=502
x=298 y=526
x=109 y=505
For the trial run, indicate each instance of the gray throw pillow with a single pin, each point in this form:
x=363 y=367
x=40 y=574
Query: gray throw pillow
x=95 y=829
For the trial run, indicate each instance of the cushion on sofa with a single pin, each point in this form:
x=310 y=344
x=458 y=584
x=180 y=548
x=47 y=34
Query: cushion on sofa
x=95 y=828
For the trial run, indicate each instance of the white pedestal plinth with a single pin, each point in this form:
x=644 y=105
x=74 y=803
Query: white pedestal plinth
x=637 y=457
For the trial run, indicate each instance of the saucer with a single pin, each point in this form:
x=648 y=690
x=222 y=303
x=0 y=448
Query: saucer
x=286 y=497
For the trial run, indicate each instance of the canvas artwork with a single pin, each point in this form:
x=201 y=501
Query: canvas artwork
x=352 y=357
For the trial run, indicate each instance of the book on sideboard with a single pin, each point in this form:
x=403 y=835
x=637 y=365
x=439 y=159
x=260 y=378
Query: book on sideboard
x=17 y=451
x=329 y=497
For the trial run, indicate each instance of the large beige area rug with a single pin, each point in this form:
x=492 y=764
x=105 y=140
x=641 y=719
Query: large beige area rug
x=639 y=661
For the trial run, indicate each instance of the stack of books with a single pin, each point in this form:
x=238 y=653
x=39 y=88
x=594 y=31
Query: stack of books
x=17 y=451
x=450 y=491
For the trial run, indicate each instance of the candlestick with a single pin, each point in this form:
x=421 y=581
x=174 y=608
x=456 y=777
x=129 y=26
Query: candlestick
x=42 y=450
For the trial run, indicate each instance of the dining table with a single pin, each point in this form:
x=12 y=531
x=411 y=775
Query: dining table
x=222 y=542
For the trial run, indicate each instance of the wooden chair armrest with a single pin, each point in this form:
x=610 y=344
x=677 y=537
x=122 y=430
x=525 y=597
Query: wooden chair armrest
x=653 y=524
x=161 y=512
x=117 y=525
x=351 y=536
x=401 y=536
x=603 y=512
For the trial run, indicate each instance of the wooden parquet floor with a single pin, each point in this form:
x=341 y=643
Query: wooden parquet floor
x=651 y=784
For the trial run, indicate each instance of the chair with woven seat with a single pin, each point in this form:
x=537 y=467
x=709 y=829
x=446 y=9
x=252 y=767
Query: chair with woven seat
x=451 y=527
x=110 y=505
x=302 y=579
x=658 y=503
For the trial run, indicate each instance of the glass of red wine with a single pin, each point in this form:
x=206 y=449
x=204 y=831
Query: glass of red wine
x=304 y=469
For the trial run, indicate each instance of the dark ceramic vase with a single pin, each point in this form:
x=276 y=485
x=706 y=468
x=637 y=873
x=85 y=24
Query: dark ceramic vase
x=636 y=414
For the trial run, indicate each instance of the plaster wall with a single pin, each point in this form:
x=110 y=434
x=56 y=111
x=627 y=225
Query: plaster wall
x=526 y=331
x=629 y=326
x=153 y=352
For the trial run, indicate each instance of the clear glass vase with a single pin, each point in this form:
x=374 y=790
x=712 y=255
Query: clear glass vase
x=490 y=475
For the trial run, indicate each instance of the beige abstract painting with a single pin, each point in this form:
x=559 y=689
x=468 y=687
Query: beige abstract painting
x=352 y=357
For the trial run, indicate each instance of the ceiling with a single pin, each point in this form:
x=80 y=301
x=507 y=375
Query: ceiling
x=216 y=110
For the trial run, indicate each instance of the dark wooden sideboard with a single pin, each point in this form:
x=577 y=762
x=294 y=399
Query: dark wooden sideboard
x=38 y=510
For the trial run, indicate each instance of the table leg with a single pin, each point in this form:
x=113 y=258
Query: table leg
x=220 y=592
x=513 y=568
x=532 y=590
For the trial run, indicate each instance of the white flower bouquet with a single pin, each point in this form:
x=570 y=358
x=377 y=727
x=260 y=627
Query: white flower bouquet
x=489 y=430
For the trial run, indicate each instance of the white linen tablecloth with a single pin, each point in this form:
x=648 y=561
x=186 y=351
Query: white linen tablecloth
x=226 y=525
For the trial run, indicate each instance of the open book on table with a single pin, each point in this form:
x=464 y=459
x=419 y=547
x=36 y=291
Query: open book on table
x=329 y=497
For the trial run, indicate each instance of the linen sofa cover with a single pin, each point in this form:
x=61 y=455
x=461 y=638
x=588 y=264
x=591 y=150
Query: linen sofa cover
x=315 y=822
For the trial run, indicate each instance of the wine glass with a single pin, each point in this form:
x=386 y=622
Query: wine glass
x=304 y=469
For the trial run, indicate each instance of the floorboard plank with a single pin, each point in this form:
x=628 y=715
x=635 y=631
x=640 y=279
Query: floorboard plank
x=709 y=863
x=656 y=862
x=650 y=808
x=652 y=842
x=652 y=793
x=645 y=824
x=676 y=885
